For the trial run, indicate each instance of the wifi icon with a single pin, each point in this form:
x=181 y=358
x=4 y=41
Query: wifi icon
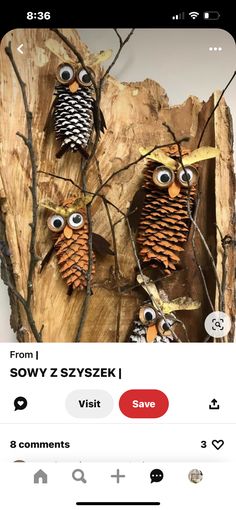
x=193 y=14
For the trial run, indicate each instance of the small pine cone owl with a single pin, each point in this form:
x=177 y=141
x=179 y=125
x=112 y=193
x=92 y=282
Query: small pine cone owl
x=151 y=327
x=69 y=226
x=74 y=109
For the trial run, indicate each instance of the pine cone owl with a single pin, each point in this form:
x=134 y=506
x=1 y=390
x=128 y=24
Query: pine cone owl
x=156 y=321
x=159 y=211
x=69 y=227
x=151 y=327
x=74 y=109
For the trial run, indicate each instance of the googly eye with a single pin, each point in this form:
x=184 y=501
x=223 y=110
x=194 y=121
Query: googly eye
x=65 y=73
x=147 y=315
x=75 y=220
x=84 y=77
x=164 y=326
x=188 y=176
x=163 y=176
x=56 y=223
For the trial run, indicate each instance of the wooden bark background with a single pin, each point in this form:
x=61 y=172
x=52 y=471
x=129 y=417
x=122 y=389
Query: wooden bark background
x=134 y=114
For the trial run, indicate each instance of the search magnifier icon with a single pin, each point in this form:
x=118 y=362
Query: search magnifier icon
x=78 y=475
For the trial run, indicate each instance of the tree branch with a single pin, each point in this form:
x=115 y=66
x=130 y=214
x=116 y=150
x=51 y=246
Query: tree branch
x=28 y=140
x=122 y=43
x=140 y=158
x=215 y=107
x=190 y=213
x=226 y=242
x=90 y=262
x=20 y=298
x=196 y=259
x=117 y=270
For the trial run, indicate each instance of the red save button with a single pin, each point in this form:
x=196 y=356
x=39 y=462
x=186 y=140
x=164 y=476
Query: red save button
x=143 y=403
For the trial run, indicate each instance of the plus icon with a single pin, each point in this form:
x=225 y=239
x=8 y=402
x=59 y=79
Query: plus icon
x=117 y=476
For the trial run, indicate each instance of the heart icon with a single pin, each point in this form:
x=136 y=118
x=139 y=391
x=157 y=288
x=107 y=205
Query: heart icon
x=217 y=443
x=20 y=403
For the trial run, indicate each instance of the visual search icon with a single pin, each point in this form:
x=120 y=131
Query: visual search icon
x=78 y=475
x=156 y=475
x=20 y=403
x=217 y=324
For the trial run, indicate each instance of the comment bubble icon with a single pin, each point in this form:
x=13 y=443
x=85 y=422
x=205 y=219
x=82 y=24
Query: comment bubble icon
x=156 y=475
x=20 y=403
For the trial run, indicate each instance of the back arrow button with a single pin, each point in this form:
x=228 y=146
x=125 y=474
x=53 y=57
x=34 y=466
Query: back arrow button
x=20 y=49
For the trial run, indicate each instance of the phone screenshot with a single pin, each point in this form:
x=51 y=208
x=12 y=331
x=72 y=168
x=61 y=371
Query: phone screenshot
x=117 y=256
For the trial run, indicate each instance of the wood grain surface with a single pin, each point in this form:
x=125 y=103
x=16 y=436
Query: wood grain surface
x=134 y=114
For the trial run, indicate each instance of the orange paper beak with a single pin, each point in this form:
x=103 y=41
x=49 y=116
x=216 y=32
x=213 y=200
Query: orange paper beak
x=67 y=232
x=151 y=333
x=174 y=189
x=74 y=86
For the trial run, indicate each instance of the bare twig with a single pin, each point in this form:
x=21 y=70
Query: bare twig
x=117 y=337
x=122 y=43
x=28 y=140
x=196 y=258
x=88 y=288
x=92 y=193
x=90 y=260
x=190 y=213
x=215 y=107
x=140 y=158
x=66 y=179
x=226 y=241
x=20 y=298
x=117 y=271
x=98 y=93
x=9 y=283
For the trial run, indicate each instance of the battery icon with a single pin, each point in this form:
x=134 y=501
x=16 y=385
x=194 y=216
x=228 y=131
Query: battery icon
x=211 y=15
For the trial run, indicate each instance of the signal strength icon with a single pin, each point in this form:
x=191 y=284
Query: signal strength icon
x=178 y=16
x=193 y=14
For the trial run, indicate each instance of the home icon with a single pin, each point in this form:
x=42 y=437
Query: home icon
x=40 y=477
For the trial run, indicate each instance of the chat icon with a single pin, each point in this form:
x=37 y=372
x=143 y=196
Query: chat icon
x=156 y=475
x=20 y=403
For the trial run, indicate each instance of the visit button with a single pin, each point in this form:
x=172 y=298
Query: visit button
x=143 y=403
